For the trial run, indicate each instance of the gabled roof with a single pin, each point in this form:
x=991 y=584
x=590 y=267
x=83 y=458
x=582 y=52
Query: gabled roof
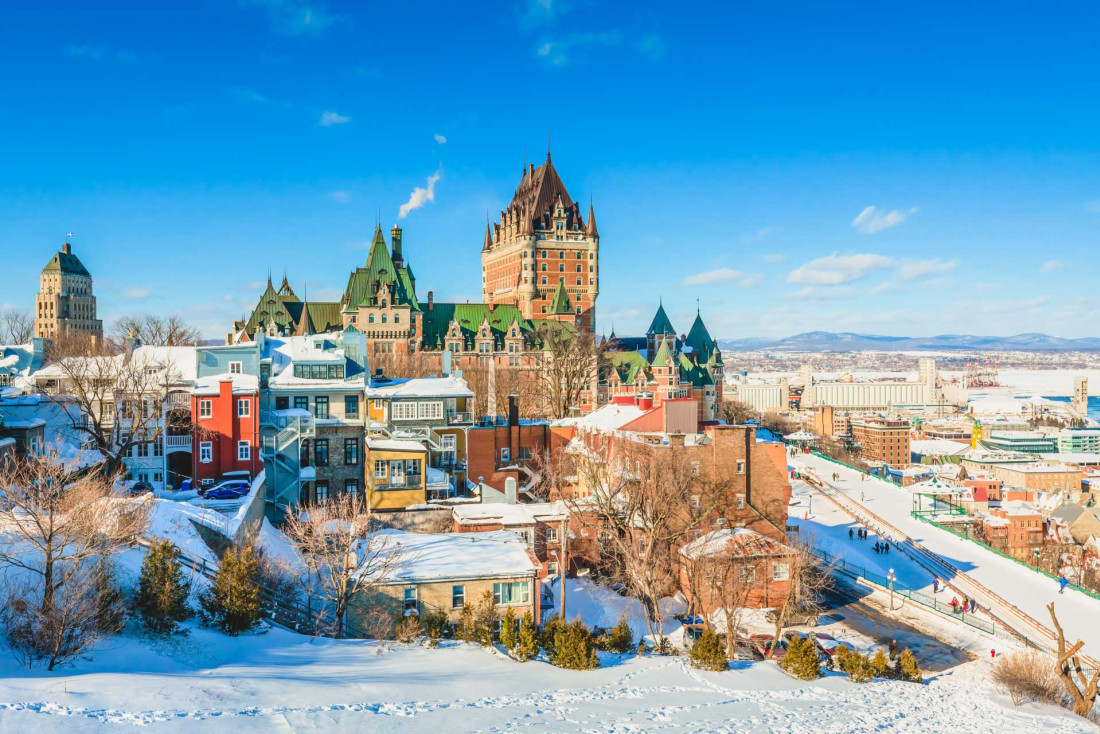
x=696 y=374
x=469 y=317
x=67 y=263
x=538 y=191
x=324 y=316
x=395 y=284
x=628 y=365
x=560 y=304
x=663 y=354
x=660 y=324
x=305 y=323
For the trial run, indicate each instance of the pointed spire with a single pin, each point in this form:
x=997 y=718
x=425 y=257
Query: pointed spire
x=591 y=231
x=547 y=146
x=269 y=277
x=305 y=321
x=528 y=224
x=488 y=235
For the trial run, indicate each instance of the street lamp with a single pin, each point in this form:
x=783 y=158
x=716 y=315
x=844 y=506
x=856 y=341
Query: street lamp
x=891 y=578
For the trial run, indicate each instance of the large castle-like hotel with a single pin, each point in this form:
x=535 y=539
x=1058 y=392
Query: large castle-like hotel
x=540 y=271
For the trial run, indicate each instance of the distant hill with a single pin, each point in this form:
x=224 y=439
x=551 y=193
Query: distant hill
x=826 y=341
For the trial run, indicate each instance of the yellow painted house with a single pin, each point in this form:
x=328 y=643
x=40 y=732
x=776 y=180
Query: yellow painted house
x=396 y=476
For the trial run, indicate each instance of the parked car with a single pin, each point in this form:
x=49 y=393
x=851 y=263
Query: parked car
x=829 y=644
x=227 y=490
x=763 y=644
x=141 y=488
x=799 y=616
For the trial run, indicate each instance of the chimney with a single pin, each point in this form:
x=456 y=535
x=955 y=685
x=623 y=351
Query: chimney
x=431 y=300
x=645 y=402
x=446 y=366
x=513 y=409
x=676 y=439
x=66 y=248
x=395 y=238
x=511 y=496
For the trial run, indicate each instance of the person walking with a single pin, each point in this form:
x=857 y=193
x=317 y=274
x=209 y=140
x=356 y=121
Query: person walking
x=861 y=496
x=886 y=548
x=935 y=586
x=850 y=533
x=954 y=605
x=1062 y=581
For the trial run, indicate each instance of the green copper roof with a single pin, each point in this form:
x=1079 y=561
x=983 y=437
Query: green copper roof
x=395 y=285
x=699 y=339
x=470 y=317
x=560 y=305
x=697 y=375
x=663 y=353
x=68 y=264
x=628 y=365
x=661 y=324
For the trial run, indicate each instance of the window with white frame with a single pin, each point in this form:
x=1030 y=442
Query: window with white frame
x=379 y=469
x=511 y=592
x=740 y=466
x=740 y=502
x=525 y=535
x=458 y=596
x=403 y=411
x=551 y=568
x=206 y=452
x=430 y=410
x=244 y=451
x=410 y=598
x=206 y=408
x=235 y=368
x=781 y=571
x=244 y=407
x=747 y=574
x=551 y=535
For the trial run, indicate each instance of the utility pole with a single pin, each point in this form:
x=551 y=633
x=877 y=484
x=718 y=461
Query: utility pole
x=564 y=570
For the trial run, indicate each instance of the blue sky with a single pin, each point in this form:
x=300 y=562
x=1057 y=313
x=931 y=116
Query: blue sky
x=842 y=166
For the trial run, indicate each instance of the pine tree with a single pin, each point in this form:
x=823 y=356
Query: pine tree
x=508 y=629
x=860 y=669
x=233 y=601
x=161 y=598
x=907 y=668
x=621 y=639
x=880 y=665
x=574 y=648
x=550 y=631
x=801 y=660
x=527 y=641
x=707 y=653
x=485 y=618
x=466 y=628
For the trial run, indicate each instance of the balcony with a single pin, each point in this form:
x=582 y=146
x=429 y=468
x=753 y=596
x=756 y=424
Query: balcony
x=177 y=443
x=407 y=482
x=454 y=419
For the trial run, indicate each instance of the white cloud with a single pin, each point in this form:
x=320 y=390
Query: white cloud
x=913 y=269
x=823 y=294
x=839 y=269
x=341 y=196
x=329 y=118
x=540 y=12
x=723 y=275
x=575 y=46
x=871 y=220
x=135 y=293
x=441 y=139
x=775 y=257
x=1051 y=265
x=421 y=195
x=296 y=17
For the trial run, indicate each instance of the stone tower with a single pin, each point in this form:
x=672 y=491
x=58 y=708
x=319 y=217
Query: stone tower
x=542 y=241
x=65 y=303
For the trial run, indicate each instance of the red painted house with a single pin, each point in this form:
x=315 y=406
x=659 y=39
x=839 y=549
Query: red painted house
x=226 y=410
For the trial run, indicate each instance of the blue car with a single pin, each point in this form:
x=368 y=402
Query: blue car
x=228 y=490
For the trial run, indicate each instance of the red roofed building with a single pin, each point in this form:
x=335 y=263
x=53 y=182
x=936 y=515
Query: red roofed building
x=734 y=567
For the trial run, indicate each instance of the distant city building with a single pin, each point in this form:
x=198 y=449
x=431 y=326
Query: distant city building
x=882 y=439
x=1028 y=442
x=882 y=395
x=1081 y=396
x=1079 y=440
x=65 y=304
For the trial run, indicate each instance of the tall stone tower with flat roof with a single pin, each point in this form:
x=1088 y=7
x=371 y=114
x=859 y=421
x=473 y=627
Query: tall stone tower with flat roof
x=65 y=304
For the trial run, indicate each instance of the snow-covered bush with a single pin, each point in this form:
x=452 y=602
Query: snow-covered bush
x=619 y=640
x=1028 y=675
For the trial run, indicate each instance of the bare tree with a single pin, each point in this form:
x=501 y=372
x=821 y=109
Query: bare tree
x=567 y=368
x=808 y=578
x=167 y=331
x=638 y=508
x=16 y=326
x=114 y=400
x=727 y=580
x=735 y=412
x=1081 y=688
x=342 y=555
x=63 y=525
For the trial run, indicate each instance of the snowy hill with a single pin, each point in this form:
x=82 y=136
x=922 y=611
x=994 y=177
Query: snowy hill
x=825 y=341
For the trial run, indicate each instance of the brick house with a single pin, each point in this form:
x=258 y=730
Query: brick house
x=759 y=567
x=1015 y=528
x=539 y=524
x=226 y=410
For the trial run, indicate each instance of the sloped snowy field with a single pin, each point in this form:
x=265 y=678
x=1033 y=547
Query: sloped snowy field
x=282 y=682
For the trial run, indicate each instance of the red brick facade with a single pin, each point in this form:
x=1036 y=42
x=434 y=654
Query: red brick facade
x=224 y=421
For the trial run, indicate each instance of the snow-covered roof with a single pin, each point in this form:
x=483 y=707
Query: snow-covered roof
x=389 y=444
x=427 y=557
x=507 y=515
x=737 y=542
x=422 y=387
x=180 y=361
x=1043 y=468
x=937 y=447
x=242 y=384
x=611 y=417
x=1072 y=458
x=800 y=436
x=936 y=486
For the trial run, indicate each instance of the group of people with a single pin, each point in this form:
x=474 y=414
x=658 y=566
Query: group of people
x=861 y=533
x=968 y=605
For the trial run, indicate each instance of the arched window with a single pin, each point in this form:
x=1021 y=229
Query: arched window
x=383 y=318
x=370 y=318
x=397 y=318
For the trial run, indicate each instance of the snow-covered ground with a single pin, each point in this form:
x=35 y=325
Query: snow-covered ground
x=1015 y=583
x=284 y=682
x=1020 y=382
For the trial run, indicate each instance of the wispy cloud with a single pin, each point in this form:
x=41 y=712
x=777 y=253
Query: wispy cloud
x=816 y=293
x=838 y=269
x=330 y=118
x=1051 y=265
x=341 y=196
x=575 y=46
x=914 y=269
x=756 y=236
x=775 y=257
x=134 y=293
x=722 y=275
x=872 y=219
x=541 y=12
x=421 y=195
x=441 y=139
x=296 y=17
x=97 y=52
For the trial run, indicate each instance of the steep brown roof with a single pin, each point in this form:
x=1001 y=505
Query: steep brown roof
x=591 y=231
x=538 y=191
